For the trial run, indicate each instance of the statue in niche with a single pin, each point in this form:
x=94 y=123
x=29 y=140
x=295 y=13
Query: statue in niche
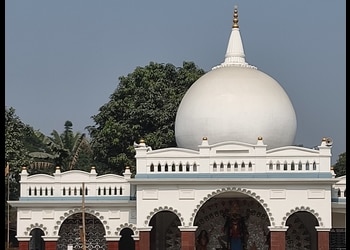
x=235 y=229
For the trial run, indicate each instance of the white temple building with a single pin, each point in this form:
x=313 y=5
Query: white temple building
x=235 y=129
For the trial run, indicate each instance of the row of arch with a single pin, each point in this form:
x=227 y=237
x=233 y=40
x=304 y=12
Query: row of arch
x=293 y=166
x=39 y=191
x=215 y=193
x=165 y=223
x=174 y=167
x=272 y=166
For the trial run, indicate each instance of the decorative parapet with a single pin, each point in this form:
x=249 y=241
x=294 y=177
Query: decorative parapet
x=69 y=184
x=233 y=157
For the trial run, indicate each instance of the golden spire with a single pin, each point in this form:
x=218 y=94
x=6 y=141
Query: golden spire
x=235 y=18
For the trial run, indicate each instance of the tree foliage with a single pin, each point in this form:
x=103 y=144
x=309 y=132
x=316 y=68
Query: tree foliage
x=68 y=150
x=143 y=106
x=340 y=166
x=16 y=151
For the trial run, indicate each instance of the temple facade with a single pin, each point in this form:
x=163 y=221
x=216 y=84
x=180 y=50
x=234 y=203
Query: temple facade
x=235 y=175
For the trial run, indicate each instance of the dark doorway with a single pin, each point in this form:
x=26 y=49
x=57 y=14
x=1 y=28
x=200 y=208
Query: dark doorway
x=36 y=242
x=165 y=234
x=301 y=233
x=126 y=241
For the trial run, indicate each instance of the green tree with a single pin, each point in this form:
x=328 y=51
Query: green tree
x=143 y=106
x=340 y=166
x=16 y=154
x=68 y=150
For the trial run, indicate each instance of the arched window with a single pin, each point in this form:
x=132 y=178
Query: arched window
x=152 y=168
x=300 y=166
x=187 y=167
x=278 y=166
x=307 y=166
x=314 y=166
x=292 y=166
x=222 y=166
x=159 y=168
x=285 y=166
x=271 y=166
x=180 y=167
x=194 y=167
x=166 y=167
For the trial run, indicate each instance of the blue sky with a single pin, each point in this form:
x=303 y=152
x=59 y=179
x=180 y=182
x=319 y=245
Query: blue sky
x=63 y=58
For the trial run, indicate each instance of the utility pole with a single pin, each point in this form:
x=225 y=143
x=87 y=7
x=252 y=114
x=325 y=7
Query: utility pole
x=7 y=174
x=83 y=217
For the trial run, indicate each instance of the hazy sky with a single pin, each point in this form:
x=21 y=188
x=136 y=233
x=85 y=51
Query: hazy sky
x=63 y=58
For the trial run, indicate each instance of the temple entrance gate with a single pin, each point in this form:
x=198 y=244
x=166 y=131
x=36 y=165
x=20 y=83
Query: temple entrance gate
x=213 y=215
x=70 y=233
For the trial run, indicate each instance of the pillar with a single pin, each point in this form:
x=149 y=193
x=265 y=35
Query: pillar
x=188 y=237
x=50 y=245
x=278 y=238
x=23 y=245
x=112 y=245
x=322 y=239
x=144 y=241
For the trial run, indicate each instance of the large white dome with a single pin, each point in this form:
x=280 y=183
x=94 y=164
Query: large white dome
x=235 y=103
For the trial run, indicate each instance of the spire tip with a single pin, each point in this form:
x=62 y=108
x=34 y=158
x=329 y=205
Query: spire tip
x=235 y=18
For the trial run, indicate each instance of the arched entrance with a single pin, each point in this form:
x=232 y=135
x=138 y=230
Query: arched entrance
x=36 y=242
x=301 y=233
x=216 y=212
x=70 y=233
x=165 y=234
x=126 y=241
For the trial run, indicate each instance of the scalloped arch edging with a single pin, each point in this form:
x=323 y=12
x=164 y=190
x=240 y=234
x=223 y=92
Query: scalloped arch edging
x=35 y=226
x=127 y=225
x=161 y=209
x=79 y=210
x=233 y=189
x=302 y=209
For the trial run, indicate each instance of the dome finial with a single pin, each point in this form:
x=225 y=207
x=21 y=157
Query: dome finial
x=235 y=18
